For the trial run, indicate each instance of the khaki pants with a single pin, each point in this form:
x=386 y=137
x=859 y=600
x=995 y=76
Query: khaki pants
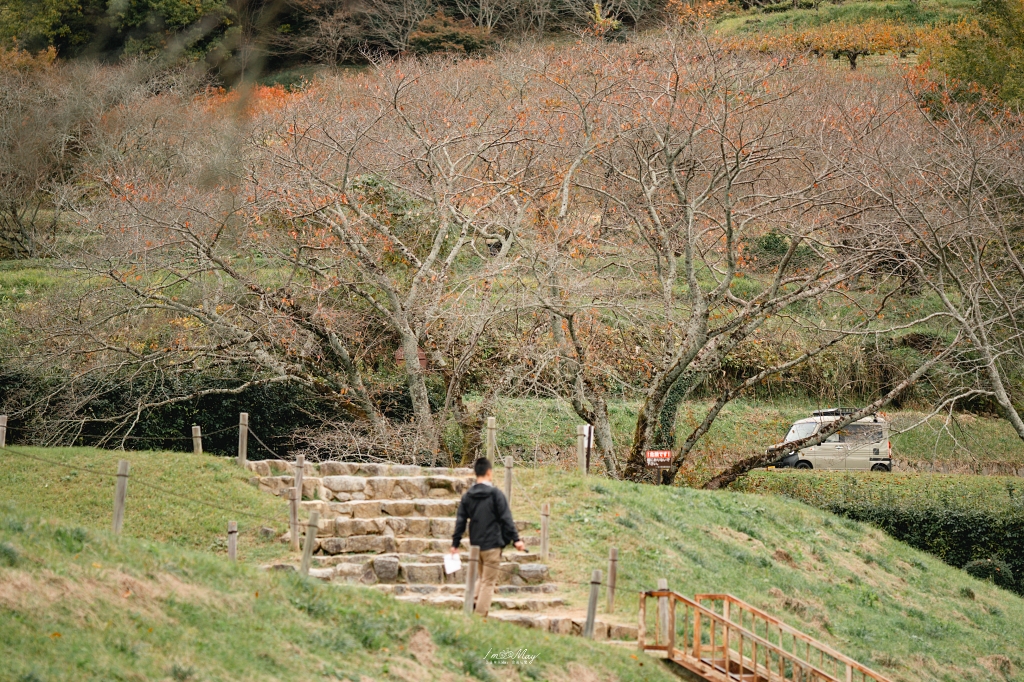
x=487 y=578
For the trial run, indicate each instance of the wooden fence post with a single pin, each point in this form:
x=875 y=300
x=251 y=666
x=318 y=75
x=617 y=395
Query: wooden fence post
x=474 y=559
x=492 y=438
x=613 y=566
x=3 y=430
x=581 y=448
x=197 y=440
x=545 y=513
x=662 y=612
x=300 y=465
x=671 y=633
x=595 y=588
x=120 y=495
x=293 y=500
x=508 y=480
x=233 y=540
x=243 y=438
x=641 y=626
x=307 y=550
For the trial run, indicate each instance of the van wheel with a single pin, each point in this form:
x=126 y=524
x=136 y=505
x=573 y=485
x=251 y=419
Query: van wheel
x=803 y=464
x=879 y=467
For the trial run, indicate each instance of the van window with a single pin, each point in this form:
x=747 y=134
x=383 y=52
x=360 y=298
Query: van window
x=799 y=431
x=862 y=433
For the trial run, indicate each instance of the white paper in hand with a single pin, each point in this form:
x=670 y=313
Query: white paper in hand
x=452 y=563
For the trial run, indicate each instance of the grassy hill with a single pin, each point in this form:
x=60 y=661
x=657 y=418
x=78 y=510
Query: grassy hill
x=788 y=15
x=895 y=608
x=77 y=604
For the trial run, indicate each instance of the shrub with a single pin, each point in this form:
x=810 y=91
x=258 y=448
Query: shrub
x=8 y=555
x=441 y=33
x=994 y=570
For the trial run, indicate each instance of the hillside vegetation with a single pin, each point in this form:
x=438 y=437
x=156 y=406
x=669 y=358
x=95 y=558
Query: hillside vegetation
x=78 y=605
x=546 y=430
x=893 y=607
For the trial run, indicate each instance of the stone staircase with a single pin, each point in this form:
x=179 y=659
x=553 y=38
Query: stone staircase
x=388 y=526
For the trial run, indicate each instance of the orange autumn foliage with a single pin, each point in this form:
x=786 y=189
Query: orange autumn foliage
x=838 y=39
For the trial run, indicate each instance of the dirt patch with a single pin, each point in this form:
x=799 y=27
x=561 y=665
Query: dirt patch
x=784 y=557
x=999 y=665
x=422 y=647
x=574 y=672
x=731 y=533
x=21 y=590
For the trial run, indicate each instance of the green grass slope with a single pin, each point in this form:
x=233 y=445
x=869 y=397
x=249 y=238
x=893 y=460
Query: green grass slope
x=894 y=608
x=171 y=514
x=784 y=16
x=890 y=606
x=79 y=605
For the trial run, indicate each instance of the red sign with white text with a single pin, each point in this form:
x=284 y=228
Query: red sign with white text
x=659 y=458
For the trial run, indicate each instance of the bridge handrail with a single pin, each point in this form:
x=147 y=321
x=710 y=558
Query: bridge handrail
x=793 y=632
x=727 y=625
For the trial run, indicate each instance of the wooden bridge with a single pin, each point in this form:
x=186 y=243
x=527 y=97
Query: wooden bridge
x=723 y=639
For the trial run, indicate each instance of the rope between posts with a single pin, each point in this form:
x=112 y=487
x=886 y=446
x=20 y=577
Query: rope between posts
x=188 y=438
x=253 y=434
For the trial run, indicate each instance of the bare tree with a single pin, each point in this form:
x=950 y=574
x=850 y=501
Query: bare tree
x=950 y=202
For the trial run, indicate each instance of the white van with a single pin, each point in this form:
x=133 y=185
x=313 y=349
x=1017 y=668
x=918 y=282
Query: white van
x=861 y=446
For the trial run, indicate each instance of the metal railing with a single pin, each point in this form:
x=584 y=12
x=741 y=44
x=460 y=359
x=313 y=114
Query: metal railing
x=718 y=647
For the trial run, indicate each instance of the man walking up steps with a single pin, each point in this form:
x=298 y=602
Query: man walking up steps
x=491 y=528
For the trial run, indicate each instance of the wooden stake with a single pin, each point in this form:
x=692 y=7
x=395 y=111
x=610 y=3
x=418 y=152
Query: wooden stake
x=545 y=513
x=3 y=430
x=595 y=588
x=508 y=480
x=641 y=626
x=197 y=440
x=662 y=611
x=307 y=550
x=671 y=630
x=243 y=438
x=293 y=500
x=233 y=540
x=613 y=566
x=120 y=495
x=492 y=437
x=300 y=466
x=474 y=559
x=581 y=448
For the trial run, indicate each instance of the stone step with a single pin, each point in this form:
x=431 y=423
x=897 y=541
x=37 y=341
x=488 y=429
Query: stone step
x=389 y=568
x=497 y=603
x=358 y=488
x=460 y=589
x=277 y=467
x=398 y=526
x=437 y=558
x=369 y=509
x=566 y=625
x=389 y=544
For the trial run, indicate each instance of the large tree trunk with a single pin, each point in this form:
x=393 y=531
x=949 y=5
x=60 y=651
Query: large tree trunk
x=415 y=380
x=603 y=437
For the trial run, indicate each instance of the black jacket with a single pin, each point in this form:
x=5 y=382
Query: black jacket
x=492 y=526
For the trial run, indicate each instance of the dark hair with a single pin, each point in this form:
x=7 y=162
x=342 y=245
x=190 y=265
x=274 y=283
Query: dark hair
x=481 y=467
